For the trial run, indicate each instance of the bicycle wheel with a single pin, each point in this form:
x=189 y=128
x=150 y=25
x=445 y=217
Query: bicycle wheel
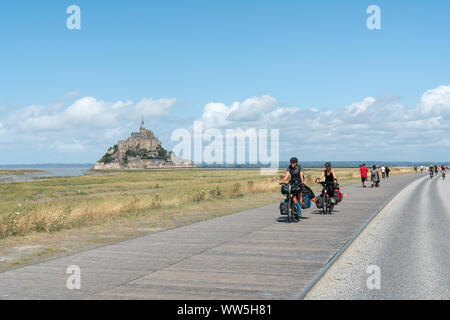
x=289 y=216
x=324 y=204
x=296 y=216
x=330 y=208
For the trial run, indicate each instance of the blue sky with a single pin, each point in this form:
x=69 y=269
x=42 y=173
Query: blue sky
x=307 y=55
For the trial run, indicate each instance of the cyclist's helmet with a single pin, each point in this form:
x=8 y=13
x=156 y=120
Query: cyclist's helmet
x=327 y=165
x=294 y=160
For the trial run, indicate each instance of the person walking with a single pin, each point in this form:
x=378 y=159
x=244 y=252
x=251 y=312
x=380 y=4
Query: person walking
x=383 y=172
x=363 y=171
x=387 y=171
x=375 y=176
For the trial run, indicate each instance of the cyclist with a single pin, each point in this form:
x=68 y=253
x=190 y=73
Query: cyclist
x=443 y=172
x=330 y=176
x=294 y=174
x=431 y=171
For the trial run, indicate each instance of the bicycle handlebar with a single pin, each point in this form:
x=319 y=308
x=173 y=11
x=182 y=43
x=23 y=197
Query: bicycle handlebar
x=325 y=182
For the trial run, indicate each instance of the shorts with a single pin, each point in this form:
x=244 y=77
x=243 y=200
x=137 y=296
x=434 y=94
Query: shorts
x=364 y=179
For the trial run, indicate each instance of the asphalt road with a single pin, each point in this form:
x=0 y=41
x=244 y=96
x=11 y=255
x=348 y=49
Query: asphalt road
x=408 y=241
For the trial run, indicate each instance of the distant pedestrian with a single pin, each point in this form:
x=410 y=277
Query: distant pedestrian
x=415 y=169
x=387 y=172
x=363 y=170
x=421 y=169
x=383 y=172
x=375 y=176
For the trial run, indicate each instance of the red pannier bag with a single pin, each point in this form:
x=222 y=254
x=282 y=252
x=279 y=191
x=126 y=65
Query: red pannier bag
x=338 y=195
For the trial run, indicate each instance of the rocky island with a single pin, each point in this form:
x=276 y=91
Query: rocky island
x=142 y=150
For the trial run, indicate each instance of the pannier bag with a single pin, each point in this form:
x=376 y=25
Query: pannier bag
x=308 y=190
x=308 y=196
x=285 y=189
x=295 y=188
x=306 y=203
x=319 y=202
x=283 y=208
x=338 y=195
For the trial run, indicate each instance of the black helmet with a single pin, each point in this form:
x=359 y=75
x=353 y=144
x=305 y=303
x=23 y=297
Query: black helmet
x=294 y=159
x=327 y=164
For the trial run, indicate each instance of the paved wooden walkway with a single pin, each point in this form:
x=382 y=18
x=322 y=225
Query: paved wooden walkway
x=247 y=255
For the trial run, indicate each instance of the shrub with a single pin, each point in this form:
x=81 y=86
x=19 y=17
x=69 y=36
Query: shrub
x=107 y=158
x=215 y=193
x=156 y=202
x=199 y=196
x=162 y=153
x=236 y=191
x=133 y=205
x=131 y=153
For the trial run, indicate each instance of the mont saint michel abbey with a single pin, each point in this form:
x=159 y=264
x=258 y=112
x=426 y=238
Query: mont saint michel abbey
x=142 y=150
x=144 y=139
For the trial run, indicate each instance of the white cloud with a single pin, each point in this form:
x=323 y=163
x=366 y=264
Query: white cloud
x=436 y=101
x=368 y=128
x=88 y=112
x=71 y=147
x=86 y=123
x=376 y=125
x=155 y=108
x=359 y=107
x=250 y=110
x=85 y=112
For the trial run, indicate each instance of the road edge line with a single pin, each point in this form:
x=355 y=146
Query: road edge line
x=302 y=294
